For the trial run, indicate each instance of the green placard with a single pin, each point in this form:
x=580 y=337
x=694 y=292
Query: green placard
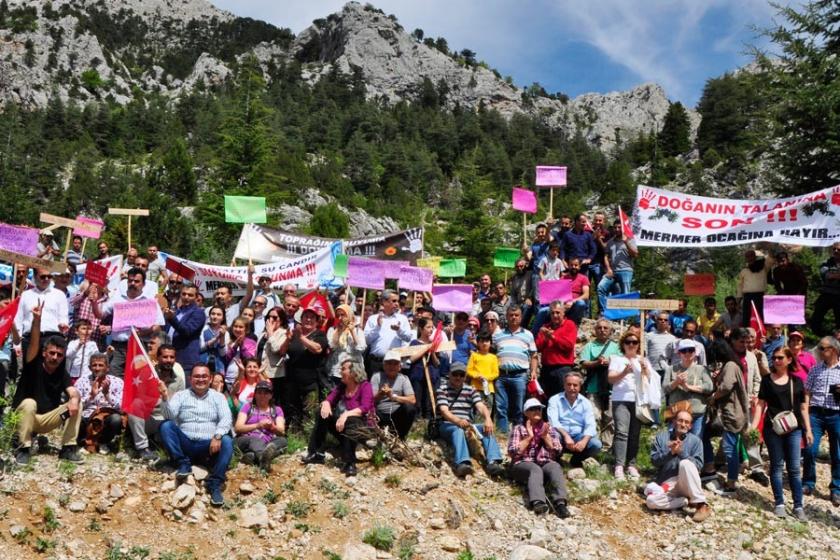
x=245 y=210
x=452 y=268
x=340 y=266
x=506 y=257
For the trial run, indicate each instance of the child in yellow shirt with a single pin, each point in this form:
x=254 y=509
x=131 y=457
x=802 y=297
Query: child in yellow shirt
x=483 y=368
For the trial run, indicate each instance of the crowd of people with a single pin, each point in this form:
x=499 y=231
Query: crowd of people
x=236 y=373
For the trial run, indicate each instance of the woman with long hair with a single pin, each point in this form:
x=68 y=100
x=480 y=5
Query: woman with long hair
x=260 y=427
x=239 y=347
x=782 y=391
x=246 y=382
x=214 y=339
x=627 y=372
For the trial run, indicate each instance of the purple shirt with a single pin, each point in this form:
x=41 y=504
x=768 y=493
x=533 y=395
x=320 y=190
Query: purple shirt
x=362 y=398
x=253 y=416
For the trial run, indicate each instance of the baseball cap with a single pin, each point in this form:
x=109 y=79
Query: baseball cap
x=458 y=367
x=392 y=356
x=533 y=403
x=796 y=333
x=264 y=385
x=686 y=344
x=491 y=315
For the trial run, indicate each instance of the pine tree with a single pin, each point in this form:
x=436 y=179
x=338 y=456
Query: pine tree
x=472 y=231
x=329 y=221
x=674 y=137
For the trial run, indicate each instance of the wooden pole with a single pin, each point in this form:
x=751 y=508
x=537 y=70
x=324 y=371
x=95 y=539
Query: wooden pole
x=364 y=301
x=506 y=274
x=14 y=280
x=248 y=237
x=642 y=333
x=429 y=386
x=550 y=204
x=524 y=227
x=129 y=232
x=67 y=243
x=84 y=244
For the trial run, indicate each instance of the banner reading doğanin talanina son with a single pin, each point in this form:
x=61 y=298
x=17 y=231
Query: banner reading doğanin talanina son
x=670 y=219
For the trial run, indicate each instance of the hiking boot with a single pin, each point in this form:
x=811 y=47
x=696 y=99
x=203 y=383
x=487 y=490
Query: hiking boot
x=269 y=453
x=350 y=470
x=249 y=458
x=760 y=477
x=495 y=469
x=702 y=513
x=463 y=469
x=71 y=454
x=314 y=459
x=561 y=510
x=539 y=507
x=23 y=456
x=807 y=491
x=835 y=499
x=216 y=498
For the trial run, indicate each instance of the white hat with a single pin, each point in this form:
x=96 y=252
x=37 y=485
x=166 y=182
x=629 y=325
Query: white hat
x=533 y=403
x=392 y=356
x=686 y=344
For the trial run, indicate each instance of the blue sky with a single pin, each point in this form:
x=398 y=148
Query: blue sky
x=571 y=46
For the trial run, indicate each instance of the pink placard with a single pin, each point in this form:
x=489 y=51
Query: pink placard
x=86 y=233
x=784 y=310
x=365 y=273
x=19 y=239
x=140 y=314
x=452 y=297
x=416 y=278
x=524 y=200
x=551 y=176
x=391 y=269
x=555 y=290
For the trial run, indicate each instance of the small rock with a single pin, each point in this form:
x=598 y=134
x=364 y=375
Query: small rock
x=183 y=497
x=539 y=537
x=588 y=484
x=16 y=530
x=254 y=516
x=449 y=543
x=103 y=506
x=437 y=523
x=200 y=473
x=498 y=525
x=116 y=492
x=246 y=487
x=77 y=506
x=358 y=551
x=177 y=514
x=168 y=486
x=132 y=501
x=529 y=552
x=591 y=463
x=454 y=515
x=575 y=474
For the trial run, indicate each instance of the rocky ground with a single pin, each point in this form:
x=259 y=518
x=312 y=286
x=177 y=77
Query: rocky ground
x=122 y=510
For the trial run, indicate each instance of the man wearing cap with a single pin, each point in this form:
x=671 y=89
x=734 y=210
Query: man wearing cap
x=47 y=248
x=535 y=448
x=55 y=319
x=573 y=416
x=678 y=456
x=386 y=330
x=689 y=381
x=491 y=322
x=264 y=289
x=394 y=396
x=457 y=403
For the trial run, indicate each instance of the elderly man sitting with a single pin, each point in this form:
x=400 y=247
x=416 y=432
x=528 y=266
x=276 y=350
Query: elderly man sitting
x=573 y=416
x=678 y=456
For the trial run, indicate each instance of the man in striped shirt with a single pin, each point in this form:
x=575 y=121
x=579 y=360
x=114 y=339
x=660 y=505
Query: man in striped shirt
x=517 y=355
x=198 y=429
x=822 y=400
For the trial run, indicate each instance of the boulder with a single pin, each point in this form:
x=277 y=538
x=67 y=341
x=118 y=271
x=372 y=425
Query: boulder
x=529 y=552
x=183 y=497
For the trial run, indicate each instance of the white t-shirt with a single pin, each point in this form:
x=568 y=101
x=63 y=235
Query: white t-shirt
x=625 y=390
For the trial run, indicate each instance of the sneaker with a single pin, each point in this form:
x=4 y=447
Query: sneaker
x=633 y=473
x=314 y=459
x=216 y=498
x=619 y=472
x=539 y=507
x=779 y=511
x=269 y=453
x=183 y=473
x=147 y=455
x=727 y=490
x=561 y=510
x=702 y=513
x=463 y=469
x=799 y=514
x=249 y=458
x=495 y=469
x=760 y=477
x=23 y=456
x=69 y=453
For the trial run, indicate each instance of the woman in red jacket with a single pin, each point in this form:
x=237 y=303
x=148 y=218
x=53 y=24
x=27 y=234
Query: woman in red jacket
x=556 y=344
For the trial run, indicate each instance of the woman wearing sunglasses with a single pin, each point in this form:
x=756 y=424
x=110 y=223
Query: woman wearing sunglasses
x=626 y=371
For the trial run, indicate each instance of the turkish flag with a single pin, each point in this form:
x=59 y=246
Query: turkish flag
x=757 y=324
x=625 y=224
x=437 y=338
x=140 y=388
x=7 y=319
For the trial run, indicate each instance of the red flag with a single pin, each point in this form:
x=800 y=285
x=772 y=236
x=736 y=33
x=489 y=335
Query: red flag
x=140 y=389
x=317 y=301
x=756 y=323
x=7 y=319
x=437 y=338
x=625 y=224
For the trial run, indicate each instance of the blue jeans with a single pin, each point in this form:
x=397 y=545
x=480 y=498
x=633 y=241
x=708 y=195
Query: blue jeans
x=593 y=446
x=510 y=397
x=184 y=451
x=596 y=272
x=620 y=283
x=578 y=311
x=456 y=438
x=784 y=449
x=823 y=421
x=697 y=426
x=733 y=458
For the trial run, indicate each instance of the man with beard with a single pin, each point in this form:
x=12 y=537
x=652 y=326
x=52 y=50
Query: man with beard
x=522 y=290
x=788 y=277
x=173 y=378
x=578 y=307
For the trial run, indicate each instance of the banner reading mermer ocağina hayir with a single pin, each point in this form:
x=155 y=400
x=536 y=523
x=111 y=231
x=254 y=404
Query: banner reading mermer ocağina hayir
x=669 y=219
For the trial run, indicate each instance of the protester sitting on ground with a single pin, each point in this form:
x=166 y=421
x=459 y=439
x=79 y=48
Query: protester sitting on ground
x=80 y=350
x=782 y=392
x=556 y=344
x=483 y=368
x=246 y=382
x=197 y=429
x=457 y=404
x=240 y=347
x=594 y=358
x=394 y=396
x=100 y=395
x=572 y=415
x=822 y=396
x=678 y=455
x=534 y=448
x=422 y=362
x=40 y=393
x=214 y=339
x=803 y=360
x=305 y=357
x=260 y=427
x=346 y=340
x=688 y=381
x=626 y=374
x=347 y=408
x=174 y=380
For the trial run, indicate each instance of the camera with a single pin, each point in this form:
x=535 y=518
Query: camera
x=680 y=437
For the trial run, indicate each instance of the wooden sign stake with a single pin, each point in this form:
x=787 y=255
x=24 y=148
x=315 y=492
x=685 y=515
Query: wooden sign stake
x=128 y=212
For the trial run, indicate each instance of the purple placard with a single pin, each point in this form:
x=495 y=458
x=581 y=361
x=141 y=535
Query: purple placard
x=391 y=269
x=140 y=314
x=555 y=290
x=19 y=239
x=365 y=273
x=524 y=200
x=551 y=176
x=416 y=278
x=452 y=297
x=784 y=310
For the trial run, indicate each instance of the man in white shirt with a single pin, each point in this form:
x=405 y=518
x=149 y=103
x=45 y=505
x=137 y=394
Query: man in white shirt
x=54 y=317
x=386 y=330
